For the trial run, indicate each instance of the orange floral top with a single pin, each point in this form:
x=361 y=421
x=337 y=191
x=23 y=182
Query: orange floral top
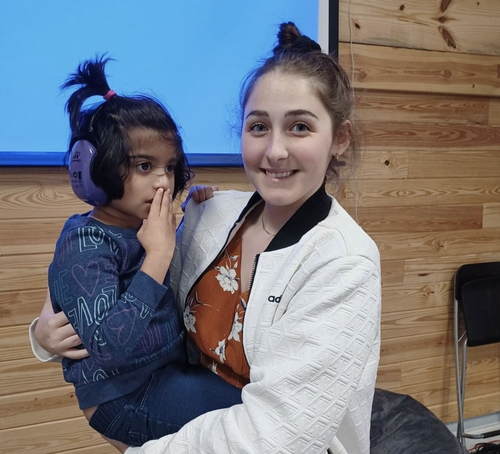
x=214 y=316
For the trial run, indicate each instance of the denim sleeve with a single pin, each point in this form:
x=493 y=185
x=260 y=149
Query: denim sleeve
x=85 y=283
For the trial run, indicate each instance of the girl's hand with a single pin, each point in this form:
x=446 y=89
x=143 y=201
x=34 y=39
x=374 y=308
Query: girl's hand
x=157 y=236
x=55 y=334
x=199 y=194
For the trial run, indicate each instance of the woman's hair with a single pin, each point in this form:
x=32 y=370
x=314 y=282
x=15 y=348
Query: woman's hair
x=108 y=126
x=298 y=55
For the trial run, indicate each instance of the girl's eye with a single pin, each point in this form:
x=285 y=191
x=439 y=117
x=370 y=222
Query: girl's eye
x=258 y=128
x=144 y=166
x=300 y=127
x=170 y=168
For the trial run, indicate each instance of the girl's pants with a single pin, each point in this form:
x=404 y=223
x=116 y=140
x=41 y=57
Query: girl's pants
x=175 y=394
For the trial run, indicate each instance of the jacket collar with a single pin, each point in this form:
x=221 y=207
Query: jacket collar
x=312 y=212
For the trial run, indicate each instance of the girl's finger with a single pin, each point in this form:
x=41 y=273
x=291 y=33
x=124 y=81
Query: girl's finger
x=156 y=205
x=166 y=204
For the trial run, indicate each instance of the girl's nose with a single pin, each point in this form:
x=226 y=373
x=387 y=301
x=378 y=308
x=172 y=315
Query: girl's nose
x=162 y=180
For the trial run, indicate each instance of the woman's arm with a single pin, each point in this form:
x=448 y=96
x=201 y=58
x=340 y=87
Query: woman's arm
x=312 y=375
x=52 y=336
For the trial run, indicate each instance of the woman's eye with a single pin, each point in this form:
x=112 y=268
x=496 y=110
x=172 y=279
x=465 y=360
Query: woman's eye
x=143 y=166
x=258 y=128
x=300 y=127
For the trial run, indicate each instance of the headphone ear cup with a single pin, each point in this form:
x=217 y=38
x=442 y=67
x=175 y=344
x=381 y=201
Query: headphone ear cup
x=80 y=160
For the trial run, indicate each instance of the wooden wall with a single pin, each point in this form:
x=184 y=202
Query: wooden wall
x=427 y=76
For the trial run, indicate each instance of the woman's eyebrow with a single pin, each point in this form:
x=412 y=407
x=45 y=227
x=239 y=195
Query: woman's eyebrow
x=298 y=112
x=258 y=113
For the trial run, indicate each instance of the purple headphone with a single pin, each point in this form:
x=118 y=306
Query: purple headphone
x=80 y=161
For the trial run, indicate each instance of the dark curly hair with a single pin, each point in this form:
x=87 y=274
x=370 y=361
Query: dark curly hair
x=107 y=127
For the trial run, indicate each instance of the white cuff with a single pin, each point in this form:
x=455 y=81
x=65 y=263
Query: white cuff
x=42 y=355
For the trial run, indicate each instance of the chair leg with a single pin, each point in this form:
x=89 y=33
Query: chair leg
x=460 y=375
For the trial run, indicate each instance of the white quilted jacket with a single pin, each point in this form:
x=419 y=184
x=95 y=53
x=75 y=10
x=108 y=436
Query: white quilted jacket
x=311 y=334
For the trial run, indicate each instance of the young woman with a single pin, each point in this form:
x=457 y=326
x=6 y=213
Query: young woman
x=280 y=289
x=110 y=269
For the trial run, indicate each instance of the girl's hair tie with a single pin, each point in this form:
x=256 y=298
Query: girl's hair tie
x=109 y=95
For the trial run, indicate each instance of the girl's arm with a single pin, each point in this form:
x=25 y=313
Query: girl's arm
x=312 y=371
x=85 y=281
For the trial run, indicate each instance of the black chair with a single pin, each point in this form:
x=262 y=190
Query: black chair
x=477 y=300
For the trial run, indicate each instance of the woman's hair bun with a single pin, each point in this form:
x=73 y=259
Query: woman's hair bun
x=290 y=39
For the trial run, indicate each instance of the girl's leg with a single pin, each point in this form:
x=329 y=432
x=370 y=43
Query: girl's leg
x=175 y=395
x=179 y=395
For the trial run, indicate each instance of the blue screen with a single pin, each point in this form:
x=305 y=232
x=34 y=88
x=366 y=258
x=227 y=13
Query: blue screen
x=192 y=55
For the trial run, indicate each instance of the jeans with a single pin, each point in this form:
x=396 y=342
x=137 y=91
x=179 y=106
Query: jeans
x=175 y=394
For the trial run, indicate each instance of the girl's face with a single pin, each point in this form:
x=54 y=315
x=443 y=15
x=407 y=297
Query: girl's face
x=152 y=164
x=287 y=140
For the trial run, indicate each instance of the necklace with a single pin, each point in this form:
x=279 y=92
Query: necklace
x=264 y=227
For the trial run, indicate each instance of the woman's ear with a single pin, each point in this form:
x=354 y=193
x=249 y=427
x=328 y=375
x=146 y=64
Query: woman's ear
x=342 y=139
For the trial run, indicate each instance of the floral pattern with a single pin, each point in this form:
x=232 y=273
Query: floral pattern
x=227 y=275
x=217 y=328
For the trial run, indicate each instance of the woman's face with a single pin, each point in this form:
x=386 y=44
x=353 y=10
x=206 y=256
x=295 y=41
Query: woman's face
x=287 y=140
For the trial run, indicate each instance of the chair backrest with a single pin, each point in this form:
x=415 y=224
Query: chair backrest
x=477 y=289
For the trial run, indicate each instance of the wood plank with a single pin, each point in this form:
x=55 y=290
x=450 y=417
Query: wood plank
x=491 y=216
x=420 y=219
x=483 y=405
x=50 y=438
x=383 y=164
x=384 y=106
x=24 y=375
x=392 y=272
x=494 y=112
x=443 y=369
x=421 y=296
x=424 y=271
x=100 y=449
x=20 y=307
x=454 y=164
x=435 y=393
x=416 y=322
x=420 y=71
x=443 y=191
x=438 y=137
x=32 y=236
x=18 y=272
x=35 y=407
x=389 y=377
x=427 y=24
x=402 y=245
x=411 y=348
x=29 y=193
x=14 y=343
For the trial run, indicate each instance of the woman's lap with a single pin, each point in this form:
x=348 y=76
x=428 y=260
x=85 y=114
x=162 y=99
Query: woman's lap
x=174 y=396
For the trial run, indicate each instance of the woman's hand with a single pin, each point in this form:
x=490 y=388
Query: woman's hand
x=55 y=334
x=199 y=194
